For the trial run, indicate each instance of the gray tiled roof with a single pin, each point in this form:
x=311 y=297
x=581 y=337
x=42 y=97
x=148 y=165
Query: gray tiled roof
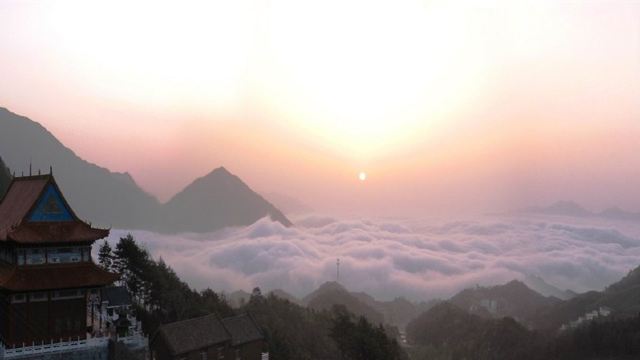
x=188 y=335
x=193 y=334
x=242 y=329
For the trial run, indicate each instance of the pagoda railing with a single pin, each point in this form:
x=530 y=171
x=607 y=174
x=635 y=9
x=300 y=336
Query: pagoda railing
x=50 y=347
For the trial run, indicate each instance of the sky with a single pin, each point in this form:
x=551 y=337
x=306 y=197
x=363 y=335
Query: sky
x=448 y=106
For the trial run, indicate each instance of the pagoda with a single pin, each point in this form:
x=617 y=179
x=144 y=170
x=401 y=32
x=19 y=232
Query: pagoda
x=48 y=280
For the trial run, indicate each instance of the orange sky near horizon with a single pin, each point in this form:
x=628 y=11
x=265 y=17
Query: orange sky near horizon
x=447 y=106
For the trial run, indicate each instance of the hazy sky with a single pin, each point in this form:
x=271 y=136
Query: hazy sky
x=446 y=105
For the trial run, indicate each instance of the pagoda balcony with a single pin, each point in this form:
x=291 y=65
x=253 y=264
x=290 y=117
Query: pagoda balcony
x=136 y=340
x=55 y=347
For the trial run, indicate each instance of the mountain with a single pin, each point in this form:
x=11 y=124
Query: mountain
x=448 y=332
x=622 y=297
x=214 y=201
x=537 y=284
x=513 y=299
x=562 y=208
x=108 y=198
x=572 y=209
x=619 y=214
x=5 y=178
x=331 y=293
x=102 y=196
x=399 y=311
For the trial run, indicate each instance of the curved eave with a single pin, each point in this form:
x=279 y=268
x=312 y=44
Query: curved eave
x=54 y=277
x=55 y=233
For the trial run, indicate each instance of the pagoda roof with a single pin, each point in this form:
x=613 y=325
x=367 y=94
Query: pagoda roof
x=53 y=277
x=24 y=216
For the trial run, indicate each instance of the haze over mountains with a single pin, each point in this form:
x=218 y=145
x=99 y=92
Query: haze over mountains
x=573 y=209
x=540 y=286
x=516 y=300
x=397 y=312
x=108 y=198
x=513 y=299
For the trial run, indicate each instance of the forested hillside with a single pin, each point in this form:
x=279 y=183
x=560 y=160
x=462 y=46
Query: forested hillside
x=291 y=331
x=447 y=332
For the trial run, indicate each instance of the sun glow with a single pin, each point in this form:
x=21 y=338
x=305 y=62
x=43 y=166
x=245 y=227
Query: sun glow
x=358 y=77
x=366 y=77
x=362 y=176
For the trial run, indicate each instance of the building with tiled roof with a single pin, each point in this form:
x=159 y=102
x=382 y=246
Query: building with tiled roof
x=48 y=280
x=209 y=337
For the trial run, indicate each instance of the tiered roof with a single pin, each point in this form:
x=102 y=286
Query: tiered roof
x=34 y=211
x=54 y=277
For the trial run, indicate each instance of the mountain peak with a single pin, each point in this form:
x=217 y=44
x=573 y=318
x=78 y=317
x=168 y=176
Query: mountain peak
x=332 y=293
x=216 y=200
x=220 y=170
x=562 y=208
x=331 y=285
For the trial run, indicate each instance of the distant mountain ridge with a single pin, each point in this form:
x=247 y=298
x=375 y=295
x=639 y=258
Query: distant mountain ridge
x=622 y=297
x=332 y=293
x=537 y=284
x=573 y=209
x=97 y=194
x=398 y=312
x=513 y=299
x=112 y=199
x=516 y=300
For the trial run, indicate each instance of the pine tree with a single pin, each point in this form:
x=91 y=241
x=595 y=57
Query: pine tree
x=132 y=262
x=105 y=256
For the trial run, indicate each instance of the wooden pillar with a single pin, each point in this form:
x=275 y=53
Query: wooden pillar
x=11 y=322
x=49 y=318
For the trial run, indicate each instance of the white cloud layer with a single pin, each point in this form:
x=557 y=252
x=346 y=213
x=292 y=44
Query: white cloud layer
x=387 y=258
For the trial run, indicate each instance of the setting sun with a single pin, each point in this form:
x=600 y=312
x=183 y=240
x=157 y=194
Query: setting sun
x=362 y=176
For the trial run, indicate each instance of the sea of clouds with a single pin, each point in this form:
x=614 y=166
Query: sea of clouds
x=417 y=259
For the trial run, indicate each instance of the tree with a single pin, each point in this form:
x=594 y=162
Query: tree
x=160 y=295
x=105 y=256
x=5 y=178
x=134 y=264
x=360 y=340
x=256 y=295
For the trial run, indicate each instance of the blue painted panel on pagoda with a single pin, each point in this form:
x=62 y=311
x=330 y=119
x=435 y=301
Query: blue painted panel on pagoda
x=50 y=207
